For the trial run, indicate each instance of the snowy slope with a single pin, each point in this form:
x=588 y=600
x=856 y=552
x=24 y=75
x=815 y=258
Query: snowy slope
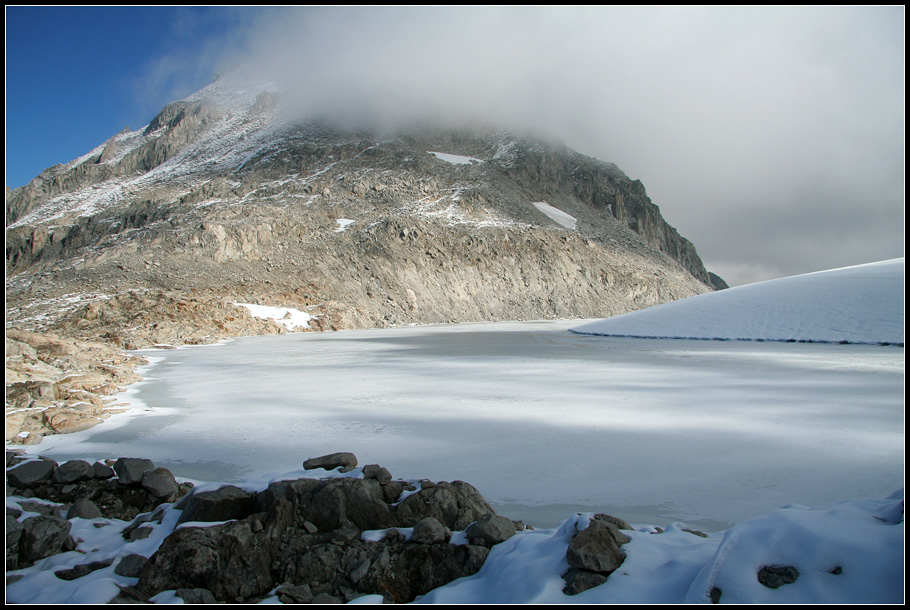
x=860 y=304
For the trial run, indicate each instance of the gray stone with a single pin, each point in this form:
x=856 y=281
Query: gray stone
x=375 y=471
x=777 y=576
x=31 y=474
x=325 y=598
x=160 y=483
x=130 y=470
x=131 y=565
x=596 y=548
x=430 y=531
x=228 y=502
x=84 y=508
x=43 y=536
x=491 y=529
x=610 y=519
x=331 y=461
x=102 y=471
x=578 y=580
x=73 y=471
x=456 y=505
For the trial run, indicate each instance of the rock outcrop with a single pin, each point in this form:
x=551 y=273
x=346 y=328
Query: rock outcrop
x=56 y=385
x=325 y=540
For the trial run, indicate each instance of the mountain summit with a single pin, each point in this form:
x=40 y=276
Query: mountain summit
x=225 y=197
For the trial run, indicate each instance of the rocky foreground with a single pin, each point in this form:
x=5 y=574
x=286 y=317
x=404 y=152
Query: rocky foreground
x=310 y=540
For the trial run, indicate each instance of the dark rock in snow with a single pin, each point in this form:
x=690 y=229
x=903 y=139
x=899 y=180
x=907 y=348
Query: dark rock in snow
x=777 y=576
x=131 y=565
x=578 y=580
x=596 y=548
x=331 y=461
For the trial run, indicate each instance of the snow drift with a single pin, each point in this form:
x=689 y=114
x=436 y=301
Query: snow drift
x=859 y=304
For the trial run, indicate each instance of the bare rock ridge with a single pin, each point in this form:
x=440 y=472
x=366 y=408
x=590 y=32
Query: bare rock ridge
x=151 y=237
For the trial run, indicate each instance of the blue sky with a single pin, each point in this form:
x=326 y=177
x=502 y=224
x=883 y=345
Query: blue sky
x=770 y=137
x=75 y=76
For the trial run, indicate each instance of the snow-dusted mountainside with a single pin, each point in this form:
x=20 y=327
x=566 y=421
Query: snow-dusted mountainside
x=227 y=196
x=859 y=304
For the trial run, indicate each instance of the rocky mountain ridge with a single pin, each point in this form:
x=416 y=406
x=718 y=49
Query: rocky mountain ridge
x=223 y=198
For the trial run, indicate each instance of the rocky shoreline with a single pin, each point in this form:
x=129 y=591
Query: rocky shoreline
x=351 y=533
x=56 y=385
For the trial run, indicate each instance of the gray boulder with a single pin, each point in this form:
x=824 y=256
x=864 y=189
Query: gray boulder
x=131 y=566
x=430 y=531
x=31 y=474
x=84 y=508
x=490 y=529
x=43 y=536
x=596 y=548
x=130 y=470
x=73 y=471
x=578 y=580
x=456 y=505
x=228 y=502
x=102 y=471
x=160 y=483
x=331 y=461
x=375 y=471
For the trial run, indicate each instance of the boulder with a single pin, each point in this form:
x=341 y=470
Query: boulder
x=84 y=508
x=578 y=580
x=456 y=505
x=490 y=529
x=131 y=565
x=43 y=536
x=73 y=471
x=228 y=502
x=160 y=483
x=31 y=474
x=777 y=576
x=430 y=531
x=102 y=471
x=130 y=470
x=331 y=461
x=596 y=548
x=375 y=471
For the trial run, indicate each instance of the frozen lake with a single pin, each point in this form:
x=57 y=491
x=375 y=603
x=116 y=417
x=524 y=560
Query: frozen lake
x=542 y=421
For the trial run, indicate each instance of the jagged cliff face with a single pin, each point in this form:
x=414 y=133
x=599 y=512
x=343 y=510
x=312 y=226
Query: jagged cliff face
x=222 y=199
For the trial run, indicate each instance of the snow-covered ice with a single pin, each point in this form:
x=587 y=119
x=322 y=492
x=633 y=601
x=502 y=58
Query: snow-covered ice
x=720 y=436
x=860 y=304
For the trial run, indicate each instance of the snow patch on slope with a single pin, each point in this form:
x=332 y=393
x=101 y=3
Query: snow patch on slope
x=557 y=215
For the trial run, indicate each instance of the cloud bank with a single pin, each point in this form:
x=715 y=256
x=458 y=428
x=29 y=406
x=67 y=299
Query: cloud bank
x=772 y=138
